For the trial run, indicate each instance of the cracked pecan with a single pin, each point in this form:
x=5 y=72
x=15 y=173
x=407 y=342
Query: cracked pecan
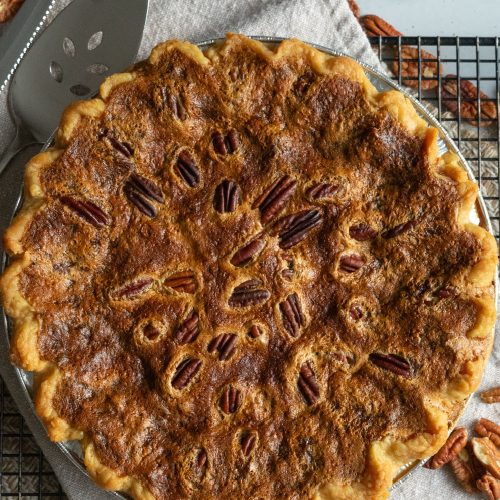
x=249 y=293
x=491 y=395
x=225 y=344
x=187 y=169
x=490 y=486
x=399 y=229
x=291 y=314
x=185 y=372
x=307 y=384
x=489 y=429
x=226 y=197
x=392 y=362
x=487 y=453
x=376 y=26
x=351 y=263
x=429 y=68
x=273 y=200
x=362 y=232
x=230 y=400
x=86 y=210
x=189 y=329
x=133 y=289
x=226 y=144
x=249 y=251
x=247 y=442
x=182 y=281
x=321 y=190
x=292 y=229
x=454 y=444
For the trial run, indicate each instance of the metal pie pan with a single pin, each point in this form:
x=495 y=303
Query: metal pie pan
x=382 y=83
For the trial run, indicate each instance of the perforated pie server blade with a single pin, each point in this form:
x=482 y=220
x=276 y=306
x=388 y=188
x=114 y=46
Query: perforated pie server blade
x=479 y=216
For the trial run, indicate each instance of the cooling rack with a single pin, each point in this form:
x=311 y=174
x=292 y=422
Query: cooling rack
x=24 y=473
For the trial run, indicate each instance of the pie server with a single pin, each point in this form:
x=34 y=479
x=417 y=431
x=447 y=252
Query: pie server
x=87 y=41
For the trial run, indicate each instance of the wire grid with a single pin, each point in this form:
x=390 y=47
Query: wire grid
x=24 y=471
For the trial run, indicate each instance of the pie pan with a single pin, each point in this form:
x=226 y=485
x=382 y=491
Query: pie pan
x=13 y=201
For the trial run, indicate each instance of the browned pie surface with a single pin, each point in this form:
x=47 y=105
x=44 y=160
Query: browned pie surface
x=364 y=265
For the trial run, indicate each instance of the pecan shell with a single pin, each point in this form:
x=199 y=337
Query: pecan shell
x=185 y=372
x=291 y=314
x=86 y=210
x=307 y=384
x=273 y=200
x=189 y=329
x=249 y=293
x=391 y=362
x=187 y=169
x=454 y=444
x=227 y=197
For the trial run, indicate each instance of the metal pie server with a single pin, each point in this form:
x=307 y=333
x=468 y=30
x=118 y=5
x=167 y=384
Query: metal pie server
x=87 y=41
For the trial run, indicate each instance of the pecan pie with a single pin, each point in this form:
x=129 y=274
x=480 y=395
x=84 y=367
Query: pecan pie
x=246 y=273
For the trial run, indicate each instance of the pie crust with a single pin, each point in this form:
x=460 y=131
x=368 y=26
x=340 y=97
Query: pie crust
x=247 y=273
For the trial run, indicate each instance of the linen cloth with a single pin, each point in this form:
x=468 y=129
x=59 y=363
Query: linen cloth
x=325 y=22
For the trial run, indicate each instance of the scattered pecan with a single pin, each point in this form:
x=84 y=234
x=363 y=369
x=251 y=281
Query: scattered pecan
x=182 y=281
x=227 y=144
x=454 y=444
x=376 y=26
x=255 y=331
x=133 y=289
x=249 y=251
x=86 y=210
x=399 y=229
x=489 y=429
x=292 y=229
x=487 y=453
x=187 y=169
x=489 y=485
x=272 y=201
x=185 y=372
x=392 y=362
x=321 y=190
x=468 y=101
x=362 y=232
x=226 y=197
x=225 y=344
x=351 y=263
x=8 y=9
x=491 y=395
x=247 y=442
x=189 y=329
x=462 y=467
x=354 y=8
x=140 y=190
x=230 y=400
x=124 y=148
x=307 y=384
x=430 y=68
x=175 y=104
x=248 y=293
x=291 y=314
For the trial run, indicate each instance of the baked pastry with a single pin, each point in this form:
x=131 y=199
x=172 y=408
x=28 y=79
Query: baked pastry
x=246 y=273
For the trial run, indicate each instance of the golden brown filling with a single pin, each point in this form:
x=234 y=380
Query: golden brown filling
x=245 y=273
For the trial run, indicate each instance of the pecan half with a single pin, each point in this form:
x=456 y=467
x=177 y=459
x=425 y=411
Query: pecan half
x=446 y=292
x=133 y=289
x=354 y=8
x=174 y=103
x=291 y=314
x=321 y=190
x=489 y=429
x=362 y=232
x=139 y=200
x=454 y=444
x=151 y=332
x=255 y=331
x=468 y=101
x=226 y=144
x=182 y=281
x=201 y=459
x=399 y=229
x=351 y=263
x=429 y=68
x=124 y=148
x=307 y=384
x=146 y=187
x=186 y=169
x=489 y=485
x=292 y=229
x=273 y=200
x=86 y=210
x=355 y=312
x=487 y=453
x=462 y=467
x=491 y=395
x=230 y=400
x=247 y=442
x=185 y=372
x=392 y=362
x=225 y=344
x=376 y=26
x=249 y=251
x=226 y=197
x=189 y=329
x=249 y=293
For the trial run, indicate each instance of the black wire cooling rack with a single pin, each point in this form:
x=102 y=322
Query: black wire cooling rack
x=24 y=471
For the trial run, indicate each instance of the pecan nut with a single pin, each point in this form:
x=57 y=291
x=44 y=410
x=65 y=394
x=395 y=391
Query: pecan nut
x=291 y=314
x=489 y=485
x=249 y=293
x=123 y=148
x=182 y=281
x=362 y=232
x=187 y=169
x=247 y=442
x=376 y=26
x=175 y=103
x=487 y=453
x=185 y=372
x=146 y=187
x=249 y=251
x=392 y=362
x=189 y=329
x=8 y=9
x=225 y=344
x=489 y=429
x=226 y=197
x=230 y=400
x=462 y=468
x=201 y=459
x=468 y=101
x=255 y=331
x=86 y=210
x=321 y=190
x=351 y=263
x=454 y=444
x=292 y=229
x=227 y=144
x=399 y=229
x=273 y=200
x=429 y=68
x=140 y=201
x=491 y=395
x=354 y=8
x=133 y=289
x=308 y=384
